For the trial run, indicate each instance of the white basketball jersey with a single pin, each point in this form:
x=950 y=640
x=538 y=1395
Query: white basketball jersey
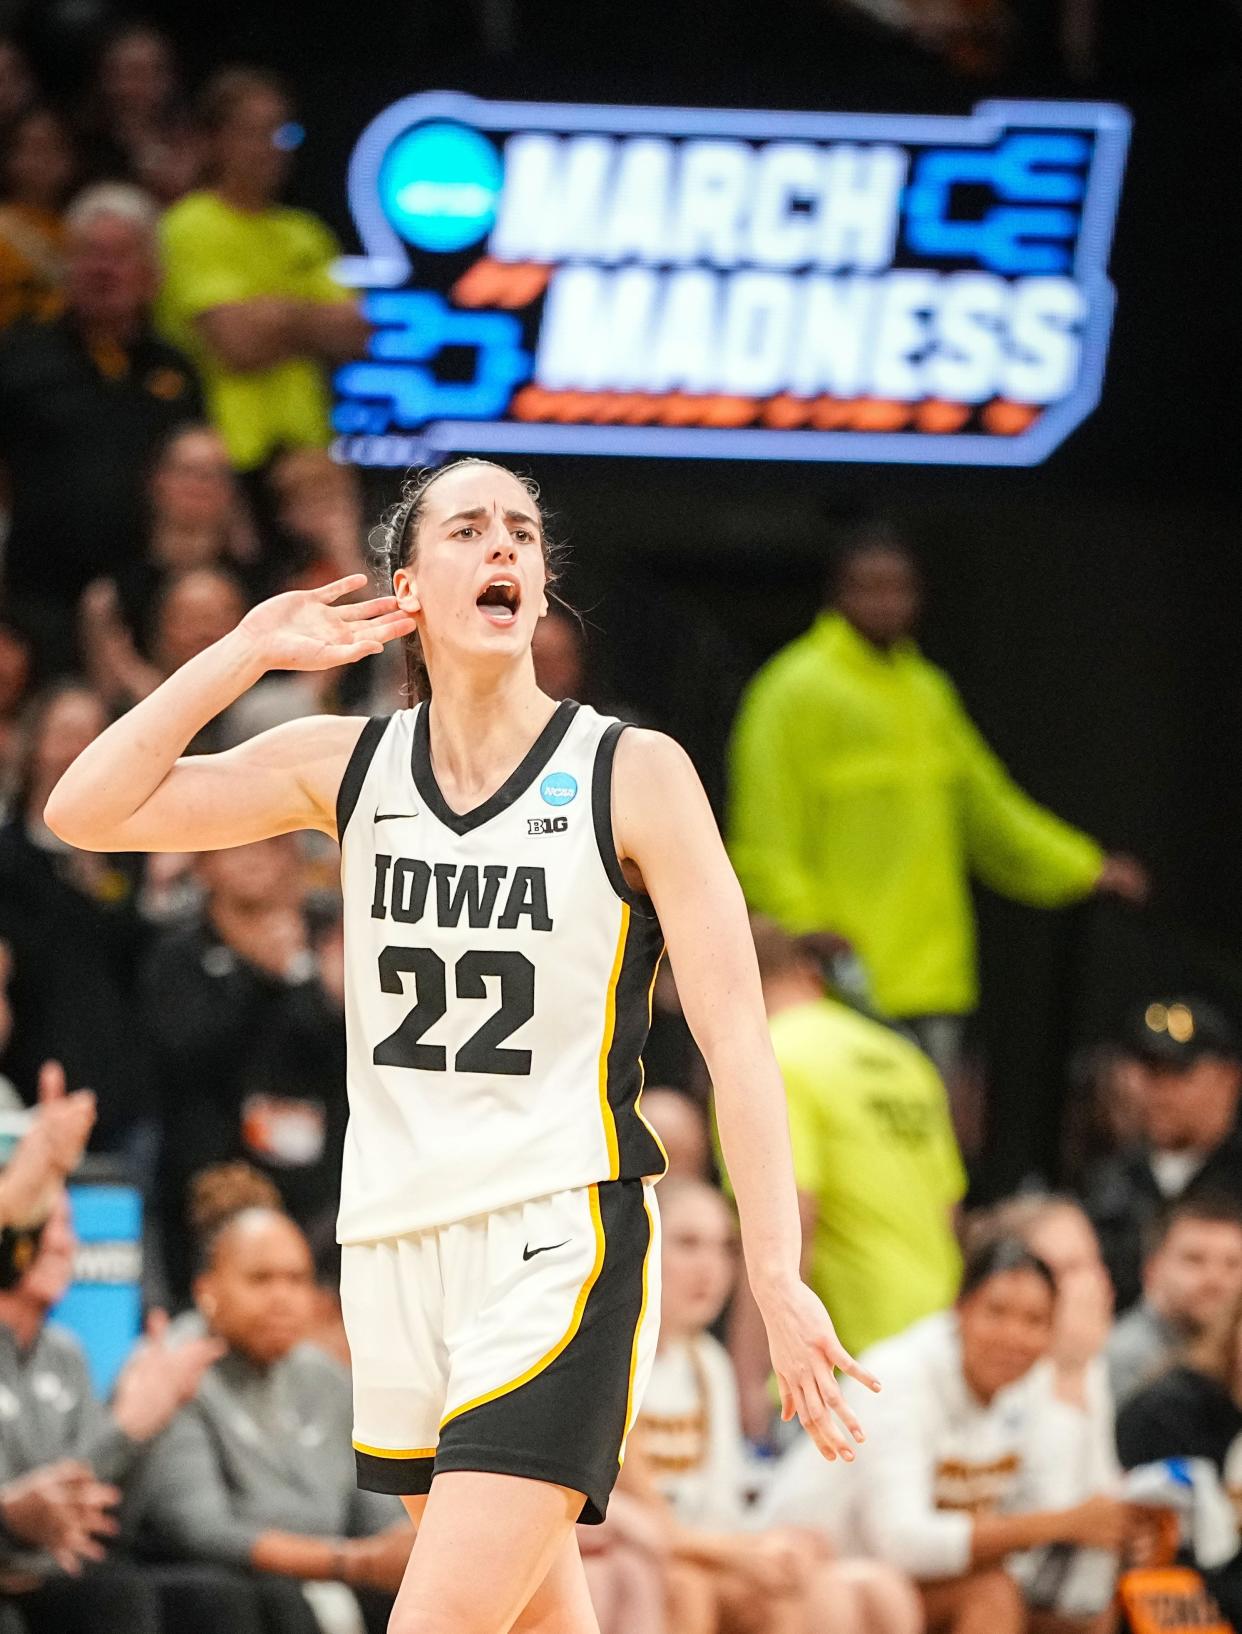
x=498 y=981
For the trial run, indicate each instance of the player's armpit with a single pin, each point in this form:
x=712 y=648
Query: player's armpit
x=283 y=779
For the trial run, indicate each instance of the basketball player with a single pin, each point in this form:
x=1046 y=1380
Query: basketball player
x=511 y=869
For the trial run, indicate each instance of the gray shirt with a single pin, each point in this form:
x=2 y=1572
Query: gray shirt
x=49 y=1410
x=260 y=1450
x=1141 y=1345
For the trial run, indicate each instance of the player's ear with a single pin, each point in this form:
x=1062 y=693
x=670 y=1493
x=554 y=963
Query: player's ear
x=543 y=605
x=406 y=591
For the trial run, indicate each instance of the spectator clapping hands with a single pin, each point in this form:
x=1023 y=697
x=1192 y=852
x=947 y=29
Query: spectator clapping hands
x=50 y=1150
x=160 y=1378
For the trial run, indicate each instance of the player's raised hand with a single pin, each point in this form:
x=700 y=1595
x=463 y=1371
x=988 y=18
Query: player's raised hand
x=805 y=1355
x=313 y=630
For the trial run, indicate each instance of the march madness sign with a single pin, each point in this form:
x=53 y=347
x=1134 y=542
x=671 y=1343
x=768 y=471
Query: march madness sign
x=561 y=278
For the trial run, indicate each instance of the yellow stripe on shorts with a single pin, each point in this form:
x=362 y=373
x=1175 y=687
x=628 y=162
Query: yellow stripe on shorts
x=394 y=1452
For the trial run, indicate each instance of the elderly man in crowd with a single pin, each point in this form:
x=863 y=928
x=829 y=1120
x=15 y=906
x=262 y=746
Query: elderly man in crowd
x=84 y=401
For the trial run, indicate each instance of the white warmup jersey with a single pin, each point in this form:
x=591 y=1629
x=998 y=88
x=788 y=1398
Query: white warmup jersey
x=498 y=982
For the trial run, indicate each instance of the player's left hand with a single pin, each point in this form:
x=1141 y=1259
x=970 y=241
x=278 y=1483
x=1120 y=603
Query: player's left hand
x=805 y=1354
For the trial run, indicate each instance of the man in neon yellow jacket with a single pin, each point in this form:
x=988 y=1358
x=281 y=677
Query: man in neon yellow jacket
x=863 y=798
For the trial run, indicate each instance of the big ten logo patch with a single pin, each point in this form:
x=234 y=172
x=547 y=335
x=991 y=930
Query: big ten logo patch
x=546 y=825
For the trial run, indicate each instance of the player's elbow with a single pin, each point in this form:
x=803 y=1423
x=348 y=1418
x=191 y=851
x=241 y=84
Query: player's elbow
x=69 y=817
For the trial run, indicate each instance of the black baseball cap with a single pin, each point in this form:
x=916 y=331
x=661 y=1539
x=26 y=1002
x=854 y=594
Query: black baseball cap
x=1176 y=1032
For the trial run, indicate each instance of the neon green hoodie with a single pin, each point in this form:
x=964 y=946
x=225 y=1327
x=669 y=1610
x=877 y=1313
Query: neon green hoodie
x=863 y=797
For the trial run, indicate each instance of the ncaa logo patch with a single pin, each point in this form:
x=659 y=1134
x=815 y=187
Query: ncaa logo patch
x=558 y=788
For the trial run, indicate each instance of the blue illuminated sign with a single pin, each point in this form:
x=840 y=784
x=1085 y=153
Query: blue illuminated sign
x=562 y=278
x=103 y=1307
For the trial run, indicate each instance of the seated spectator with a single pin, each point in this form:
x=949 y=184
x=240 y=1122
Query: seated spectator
x=258 y=1471
x=1192 y=1277
x=134 y=129
x=1194 y=1410
x=249 y=293
x=36 y=175
x=1057 y=1231
x=723 y=1571
x=1190 y=1072
x=222 y=995
x=876 y=1161
x=319 y=515
x=53 y=1415
x=70 y=919
x=1105 y=1110
x=61 y=1510
x=681 y=1125
x=190 y=611
x=1075 y=1371
x=93 y=392
x=195 y=517
x=295 y=1110
x=970 y=1461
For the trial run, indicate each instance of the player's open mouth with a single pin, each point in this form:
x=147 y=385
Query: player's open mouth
x=499 y=601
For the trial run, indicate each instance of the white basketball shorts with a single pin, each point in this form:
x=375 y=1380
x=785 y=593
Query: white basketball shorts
x=518 y=1342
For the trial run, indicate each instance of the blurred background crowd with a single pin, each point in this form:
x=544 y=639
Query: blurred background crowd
x=1014 y=1114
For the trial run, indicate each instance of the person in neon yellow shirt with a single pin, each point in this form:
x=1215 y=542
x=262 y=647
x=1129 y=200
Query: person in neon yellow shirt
x=248 y=293
x=863 y=798
x=876 y=1163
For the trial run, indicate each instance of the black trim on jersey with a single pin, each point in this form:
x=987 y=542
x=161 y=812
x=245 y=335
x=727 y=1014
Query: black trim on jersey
x=566 y=1425
x=356 y=768
x=601 y=815
x=638 y=1151
x=513 y=787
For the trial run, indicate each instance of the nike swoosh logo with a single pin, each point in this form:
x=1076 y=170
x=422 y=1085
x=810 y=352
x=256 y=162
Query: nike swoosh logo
x=393 y=816
x=528 y=1253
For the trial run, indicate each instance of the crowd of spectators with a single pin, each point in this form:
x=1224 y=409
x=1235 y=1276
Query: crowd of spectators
x=166 y=331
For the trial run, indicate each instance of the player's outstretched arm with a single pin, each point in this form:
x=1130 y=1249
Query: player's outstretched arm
x=132 y=790
x=664 y=825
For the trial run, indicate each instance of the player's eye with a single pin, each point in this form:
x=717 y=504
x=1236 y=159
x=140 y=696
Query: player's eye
x=523 y=535
x=468 y=529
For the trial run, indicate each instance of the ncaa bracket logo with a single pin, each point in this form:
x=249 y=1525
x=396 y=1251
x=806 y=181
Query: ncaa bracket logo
x=565 y=278
x=558 y=788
